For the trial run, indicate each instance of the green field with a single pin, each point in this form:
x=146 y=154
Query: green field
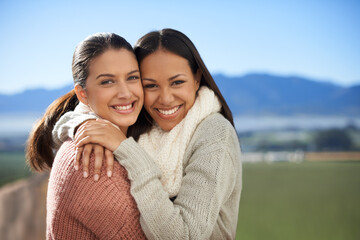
x=311 y=200
x=12 y=167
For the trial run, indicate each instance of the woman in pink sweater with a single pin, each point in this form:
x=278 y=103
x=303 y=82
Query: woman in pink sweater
x=107 y=80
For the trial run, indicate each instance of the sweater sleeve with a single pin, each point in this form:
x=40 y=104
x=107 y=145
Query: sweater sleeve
x=105 y=208
x=66 y=125
x=209 y=179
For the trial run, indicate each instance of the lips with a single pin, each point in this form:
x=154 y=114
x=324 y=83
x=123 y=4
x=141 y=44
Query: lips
x=169 y=112
x=124 y=108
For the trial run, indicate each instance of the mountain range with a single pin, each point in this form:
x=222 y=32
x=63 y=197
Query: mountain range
x=252 y=94
x=264 y=94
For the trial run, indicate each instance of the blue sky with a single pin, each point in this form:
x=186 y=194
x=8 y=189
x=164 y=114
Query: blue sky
x=316 y=39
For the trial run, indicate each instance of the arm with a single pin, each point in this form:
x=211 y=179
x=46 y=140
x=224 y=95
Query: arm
x=66 y=125
x=65 y=128
x=101 y=135
x=106 y=208
x=210 y=176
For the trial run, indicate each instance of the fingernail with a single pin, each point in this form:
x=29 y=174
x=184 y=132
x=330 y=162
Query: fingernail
x=76 y=167
x=96 y=177
x=109 y=173
x=86 y=174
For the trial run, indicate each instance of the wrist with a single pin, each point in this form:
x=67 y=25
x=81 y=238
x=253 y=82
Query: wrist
x=116 y=144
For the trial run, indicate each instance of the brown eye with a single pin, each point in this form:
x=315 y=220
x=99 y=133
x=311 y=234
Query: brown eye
x=106 y=82
x=178 y=82
x=133 y=78
x=149 y=86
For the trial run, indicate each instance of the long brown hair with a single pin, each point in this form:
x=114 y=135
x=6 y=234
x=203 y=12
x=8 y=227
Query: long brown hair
x=178 y=43
x=40 y=145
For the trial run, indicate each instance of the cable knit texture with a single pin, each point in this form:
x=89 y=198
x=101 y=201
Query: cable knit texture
x=79 y=208
x=207 y=204
x=168 y=148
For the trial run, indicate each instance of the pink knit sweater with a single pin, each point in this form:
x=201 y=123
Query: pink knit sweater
x=79 y=208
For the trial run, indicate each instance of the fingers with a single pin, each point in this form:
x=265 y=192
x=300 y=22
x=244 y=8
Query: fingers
x=85 y=140
x=82 y=127
x=99 y=155
x=86 y=159
x=109 y=162
x=87 y=128
x=83 y=134
x=78 y=154
x=99 y=132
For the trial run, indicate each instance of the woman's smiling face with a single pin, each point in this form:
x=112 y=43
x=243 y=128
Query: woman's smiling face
x=169 y=87
x=113 y=88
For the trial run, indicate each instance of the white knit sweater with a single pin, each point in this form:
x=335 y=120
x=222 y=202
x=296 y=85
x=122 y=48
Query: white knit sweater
x=207 y=204
x=168 y=148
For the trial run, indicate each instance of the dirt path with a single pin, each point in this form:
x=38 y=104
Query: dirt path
x=23 y=209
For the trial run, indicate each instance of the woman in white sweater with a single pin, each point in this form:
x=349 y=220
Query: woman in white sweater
x=185 y=169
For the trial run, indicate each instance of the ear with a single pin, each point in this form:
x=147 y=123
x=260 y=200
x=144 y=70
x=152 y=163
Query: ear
x=81 y=94
x=198 y=78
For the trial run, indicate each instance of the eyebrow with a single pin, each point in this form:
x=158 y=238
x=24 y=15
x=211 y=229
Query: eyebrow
x=134 y=71
x=170 y=79
x=112 y=75
x=177 y=75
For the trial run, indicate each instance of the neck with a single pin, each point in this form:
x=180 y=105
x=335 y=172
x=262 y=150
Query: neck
x=124 y=129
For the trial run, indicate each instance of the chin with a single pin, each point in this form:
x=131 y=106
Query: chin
x=167 y=127
x=126 y=123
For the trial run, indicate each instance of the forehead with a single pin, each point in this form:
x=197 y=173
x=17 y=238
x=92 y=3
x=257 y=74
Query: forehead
x=113 y=60
x=165 y=63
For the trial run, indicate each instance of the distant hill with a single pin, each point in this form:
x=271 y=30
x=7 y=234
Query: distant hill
x=262 y=94
x=31 y=101
x=252 y=94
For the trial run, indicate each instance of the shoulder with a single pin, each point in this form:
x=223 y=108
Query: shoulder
x=105 y=207
x=215 y=129
x=215 y=120
x=63 y=158
x=66 y=185
x=214 y=145
x=63 y=170
x=215 y=133
x=66 y=148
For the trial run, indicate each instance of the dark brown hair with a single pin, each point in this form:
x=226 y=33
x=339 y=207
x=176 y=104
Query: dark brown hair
x=178 y=43
x=40 y=145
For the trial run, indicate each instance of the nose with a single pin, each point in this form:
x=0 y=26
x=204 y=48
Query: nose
x=166 y=97
x=123 y=91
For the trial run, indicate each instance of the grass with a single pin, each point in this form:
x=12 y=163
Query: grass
x=312 y=200
x=12 y=167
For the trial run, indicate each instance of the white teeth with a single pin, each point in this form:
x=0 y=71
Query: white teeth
x=120 y=108
x=168 y=112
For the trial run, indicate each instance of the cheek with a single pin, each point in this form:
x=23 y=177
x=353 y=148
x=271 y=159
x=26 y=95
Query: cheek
x=137 y=90
x=190 y=102
x=191 y=95
x=148 y=100
x=99 y=99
